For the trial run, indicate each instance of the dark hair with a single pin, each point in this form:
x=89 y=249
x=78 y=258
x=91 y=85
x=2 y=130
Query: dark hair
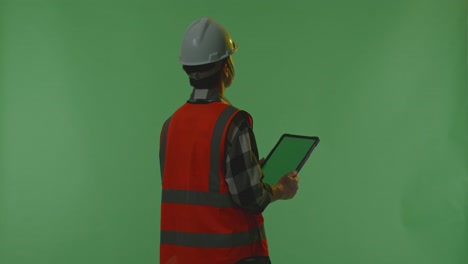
x=209 y=82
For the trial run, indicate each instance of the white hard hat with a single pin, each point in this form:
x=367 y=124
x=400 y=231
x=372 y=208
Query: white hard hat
x=205 y=41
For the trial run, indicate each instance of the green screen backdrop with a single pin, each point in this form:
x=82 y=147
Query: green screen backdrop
x=86 y=85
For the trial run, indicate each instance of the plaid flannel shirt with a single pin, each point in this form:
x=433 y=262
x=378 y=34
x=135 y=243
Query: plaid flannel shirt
x=242 y=170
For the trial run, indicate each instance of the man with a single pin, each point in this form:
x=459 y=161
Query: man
x=212 y=190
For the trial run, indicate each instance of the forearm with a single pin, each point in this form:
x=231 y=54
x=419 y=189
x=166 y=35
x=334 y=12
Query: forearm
x=277 y=192
x=254 y=200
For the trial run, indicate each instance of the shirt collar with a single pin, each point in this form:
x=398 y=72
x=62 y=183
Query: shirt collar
x=205 y=96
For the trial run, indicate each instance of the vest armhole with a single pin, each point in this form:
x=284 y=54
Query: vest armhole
x=162 y=145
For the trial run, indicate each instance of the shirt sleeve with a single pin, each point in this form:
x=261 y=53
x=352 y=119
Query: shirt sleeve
x=243 y=172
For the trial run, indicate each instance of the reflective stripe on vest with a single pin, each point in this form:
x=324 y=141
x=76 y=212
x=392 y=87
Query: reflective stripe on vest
x=218 y=200
x=215 y=140
x=212 y=240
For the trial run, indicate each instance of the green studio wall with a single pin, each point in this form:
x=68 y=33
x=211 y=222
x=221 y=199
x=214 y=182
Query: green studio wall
x=86 y=85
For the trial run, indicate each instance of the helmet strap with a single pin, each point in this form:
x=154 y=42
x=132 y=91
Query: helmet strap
x=208 y=73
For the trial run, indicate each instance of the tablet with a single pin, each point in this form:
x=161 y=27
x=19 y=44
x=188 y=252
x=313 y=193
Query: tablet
x=290 y=153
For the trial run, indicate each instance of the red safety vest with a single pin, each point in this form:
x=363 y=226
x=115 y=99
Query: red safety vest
x=199 y=221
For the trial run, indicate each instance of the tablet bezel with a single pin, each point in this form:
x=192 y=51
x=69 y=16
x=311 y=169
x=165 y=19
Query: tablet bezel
x=306 y=157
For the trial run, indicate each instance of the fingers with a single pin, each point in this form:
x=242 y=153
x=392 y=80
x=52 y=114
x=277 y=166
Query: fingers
x=261 y=162
x=290 y=183
x=294 y=182
x=293 y=176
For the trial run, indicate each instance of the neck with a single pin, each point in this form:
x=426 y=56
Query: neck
x=220 y=89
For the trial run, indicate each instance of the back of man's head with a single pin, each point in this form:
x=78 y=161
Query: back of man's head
x=205 y=51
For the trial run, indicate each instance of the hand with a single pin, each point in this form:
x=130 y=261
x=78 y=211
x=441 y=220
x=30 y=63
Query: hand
x=287 y=186
x=261 y=162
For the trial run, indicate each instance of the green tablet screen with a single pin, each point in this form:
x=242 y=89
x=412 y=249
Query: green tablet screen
x=290 y=153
